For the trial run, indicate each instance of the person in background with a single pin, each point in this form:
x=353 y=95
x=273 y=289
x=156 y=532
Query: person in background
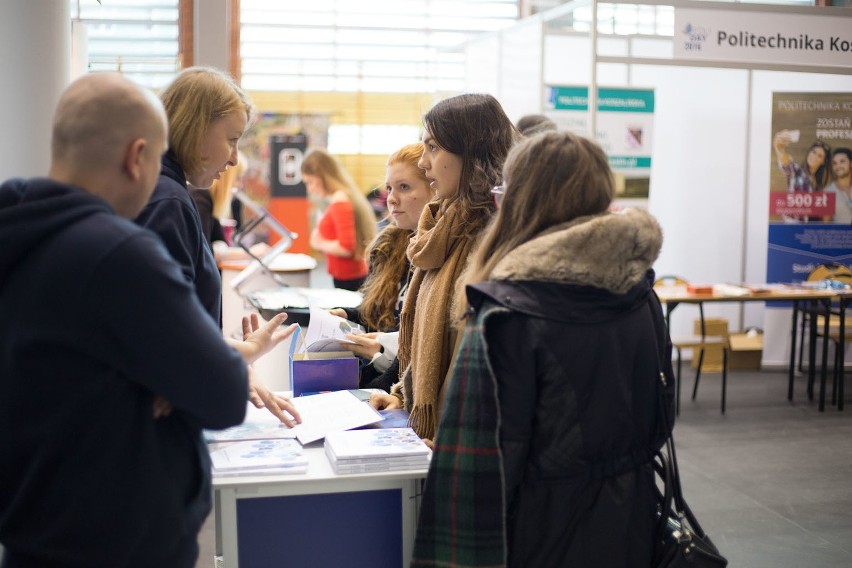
x=379 y=202
x=348 y=225
x=213 y=204
x=236 y=206
x=530 y=124
x=466 y=139
x=109 y=366
x=408 y=192
x=208 y=113
x=553 y=413
x=214 y=208
x=841 y=185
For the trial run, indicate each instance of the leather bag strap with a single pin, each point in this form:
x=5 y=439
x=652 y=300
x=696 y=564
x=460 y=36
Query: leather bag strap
x=671 y=475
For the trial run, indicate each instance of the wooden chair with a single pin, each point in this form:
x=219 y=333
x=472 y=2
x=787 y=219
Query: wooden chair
x=698 y=344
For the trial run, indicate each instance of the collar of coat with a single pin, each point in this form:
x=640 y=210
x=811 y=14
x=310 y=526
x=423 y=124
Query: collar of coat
x=590 y=270
x=612 y=251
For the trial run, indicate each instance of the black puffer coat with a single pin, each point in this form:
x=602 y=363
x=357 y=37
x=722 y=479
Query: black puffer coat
x=569 y=337
x=572 y=340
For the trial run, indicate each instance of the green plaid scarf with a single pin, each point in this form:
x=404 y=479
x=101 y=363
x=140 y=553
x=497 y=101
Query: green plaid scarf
x=462 y=516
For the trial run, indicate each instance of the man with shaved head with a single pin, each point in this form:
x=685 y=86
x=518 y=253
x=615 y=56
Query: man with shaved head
x=109 y=365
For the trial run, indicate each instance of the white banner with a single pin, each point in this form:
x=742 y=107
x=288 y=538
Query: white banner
x=762 y=37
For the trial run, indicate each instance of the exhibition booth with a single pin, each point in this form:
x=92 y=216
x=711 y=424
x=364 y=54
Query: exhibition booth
x=712 y=127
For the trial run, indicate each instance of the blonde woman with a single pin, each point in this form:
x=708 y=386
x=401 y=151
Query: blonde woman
x=348 y=224
x=208 y=114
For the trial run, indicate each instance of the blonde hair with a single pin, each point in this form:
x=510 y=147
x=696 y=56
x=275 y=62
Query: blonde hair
x=388 y=262
x=335 y=178
x=220 y=189
x=549 y=179
x=196 y=98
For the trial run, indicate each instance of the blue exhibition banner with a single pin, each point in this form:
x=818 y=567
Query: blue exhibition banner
x=795 y=250
x=810 y=186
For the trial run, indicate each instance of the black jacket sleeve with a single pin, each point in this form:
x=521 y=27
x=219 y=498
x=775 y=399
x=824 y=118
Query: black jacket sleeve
x=384 y=381
x=354 y=315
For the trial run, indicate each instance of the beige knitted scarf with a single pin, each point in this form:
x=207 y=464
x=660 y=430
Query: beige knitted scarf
x=426 y=334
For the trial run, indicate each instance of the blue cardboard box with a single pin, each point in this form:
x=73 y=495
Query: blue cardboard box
x=319 y=372
x=313 y=372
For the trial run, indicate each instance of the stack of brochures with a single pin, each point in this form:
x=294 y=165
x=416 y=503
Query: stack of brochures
x=367 y=451
x=259 y=457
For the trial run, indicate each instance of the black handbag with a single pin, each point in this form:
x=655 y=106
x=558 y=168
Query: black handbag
x=679 y=541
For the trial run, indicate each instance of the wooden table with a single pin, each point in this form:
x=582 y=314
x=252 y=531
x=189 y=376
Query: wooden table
x=672 y=296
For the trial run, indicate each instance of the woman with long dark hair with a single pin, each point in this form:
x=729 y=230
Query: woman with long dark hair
x=466 y=139
x=552 y=415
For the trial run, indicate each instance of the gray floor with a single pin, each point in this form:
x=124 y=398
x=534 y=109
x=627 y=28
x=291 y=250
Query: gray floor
x=770 y=481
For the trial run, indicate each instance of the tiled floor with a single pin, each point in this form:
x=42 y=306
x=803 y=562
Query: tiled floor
x=770 y=481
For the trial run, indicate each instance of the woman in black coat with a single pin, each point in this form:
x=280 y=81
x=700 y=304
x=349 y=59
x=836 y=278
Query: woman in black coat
x=543 y=453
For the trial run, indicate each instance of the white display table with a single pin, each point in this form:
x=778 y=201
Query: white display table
x=318 y=518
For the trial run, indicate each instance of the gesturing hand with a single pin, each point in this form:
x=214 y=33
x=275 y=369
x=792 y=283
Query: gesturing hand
x=260 y=339
x=262 y=397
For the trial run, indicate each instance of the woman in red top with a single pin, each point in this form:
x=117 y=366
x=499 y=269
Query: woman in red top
x=348 y=224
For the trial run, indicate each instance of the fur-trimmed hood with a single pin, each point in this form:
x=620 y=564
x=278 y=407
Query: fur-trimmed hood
x=612 y=251
x=592 y=269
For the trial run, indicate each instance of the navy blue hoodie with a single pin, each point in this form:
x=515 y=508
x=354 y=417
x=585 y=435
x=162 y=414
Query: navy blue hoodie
x=95 y=320
x=173 y=216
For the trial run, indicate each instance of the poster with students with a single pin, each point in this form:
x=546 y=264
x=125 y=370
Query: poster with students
x=810 y=184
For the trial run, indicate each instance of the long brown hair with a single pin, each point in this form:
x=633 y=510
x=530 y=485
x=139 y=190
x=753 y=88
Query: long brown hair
x=334 y=177
x=549 y=179
x=822 y=175
x=474 y=127
x=388 y=263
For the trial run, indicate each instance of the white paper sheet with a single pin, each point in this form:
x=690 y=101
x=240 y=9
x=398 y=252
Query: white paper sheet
x=320 y=413
x=331 y=412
